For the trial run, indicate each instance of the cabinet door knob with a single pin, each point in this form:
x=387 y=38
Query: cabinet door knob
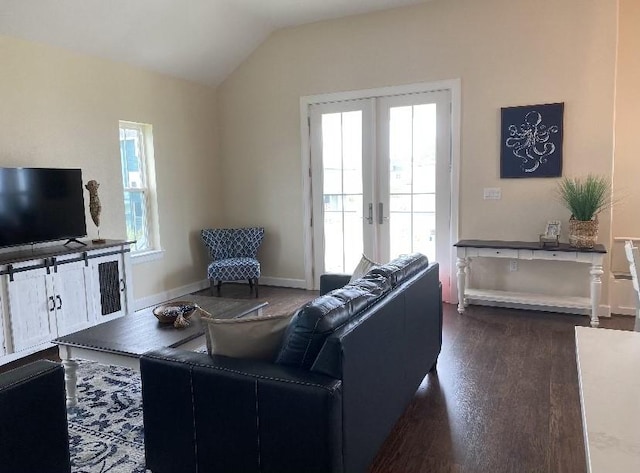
x=59 y=302
x=53 y=304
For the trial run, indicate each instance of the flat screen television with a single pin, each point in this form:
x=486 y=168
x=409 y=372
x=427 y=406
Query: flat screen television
x=39 y=204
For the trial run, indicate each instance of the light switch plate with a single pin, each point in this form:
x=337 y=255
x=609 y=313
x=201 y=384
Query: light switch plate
x=492 y=193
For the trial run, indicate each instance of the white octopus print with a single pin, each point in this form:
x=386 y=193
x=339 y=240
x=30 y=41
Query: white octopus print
x=530 y=141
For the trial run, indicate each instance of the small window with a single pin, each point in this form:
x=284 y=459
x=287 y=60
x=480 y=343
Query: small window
x=138 y=180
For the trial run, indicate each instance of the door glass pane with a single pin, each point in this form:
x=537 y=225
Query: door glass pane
x=352 y=152
x=332 y=153
x=400 y=233
x=424 y=234
x=353 y=232
x=424 y=202
x=412 y=205
x=342 y=190
x=400 y=203
x=333 y=242
x=424 y=147
x=400 y=151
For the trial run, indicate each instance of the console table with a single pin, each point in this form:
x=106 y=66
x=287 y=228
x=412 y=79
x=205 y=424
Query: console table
x=467 y=250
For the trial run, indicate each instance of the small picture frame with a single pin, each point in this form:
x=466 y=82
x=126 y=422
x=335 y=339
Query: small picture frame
x=553 y=229
x=551 y=235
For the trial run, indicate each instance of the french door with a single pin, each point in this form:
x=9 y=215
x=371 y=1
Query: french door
x=381 y=180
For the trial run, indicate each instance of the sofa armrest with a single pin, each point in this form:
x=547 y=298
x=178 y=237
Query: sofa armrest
x=33 y=419
x=227 y=414
x=329 y=282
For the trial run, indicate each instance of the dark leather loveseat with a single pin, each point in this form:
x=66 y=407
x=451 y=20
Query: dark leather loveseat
x=33 y=420
x=350 y=362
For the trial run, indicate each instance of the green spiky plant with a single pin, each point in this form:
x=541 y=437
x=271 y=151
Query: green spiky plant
x=586 y=197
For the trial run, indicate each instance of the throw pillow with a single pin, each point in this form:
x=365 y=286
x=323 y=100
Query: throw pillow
x=363 y=268
x=257 y=337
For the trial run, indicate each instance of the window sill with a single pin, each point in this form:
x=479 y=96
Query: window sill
x=146 y=256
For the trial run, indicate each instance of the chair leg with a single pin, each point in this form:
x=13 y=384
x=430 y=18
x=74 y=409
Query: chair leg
x=250 y=285
x=256 y=282
x=212 y=285
x=219 y=286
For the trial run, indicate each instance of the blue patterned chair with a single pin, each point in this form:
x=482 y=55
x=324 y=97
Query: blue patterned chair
x=233 y=251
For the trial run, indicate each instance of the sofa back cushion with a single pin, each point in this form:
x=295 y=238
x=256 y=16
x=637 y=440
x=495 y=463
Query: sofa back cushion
x=401 y=268
x=312 y=323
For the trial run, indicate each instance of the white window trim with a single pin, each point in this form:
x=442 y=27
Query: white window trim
x=151 y=200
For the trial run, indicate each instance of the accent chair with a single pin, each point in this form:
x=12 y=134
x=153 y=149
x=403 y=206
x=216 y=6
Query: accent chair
x=233 y=254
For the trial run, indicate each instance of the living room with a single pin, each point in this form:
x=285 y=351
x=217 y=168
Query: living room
x=227 y=147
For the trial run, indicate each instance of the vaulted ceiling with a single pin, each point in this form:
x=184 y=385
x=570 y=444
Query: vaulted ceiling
x=198 y=40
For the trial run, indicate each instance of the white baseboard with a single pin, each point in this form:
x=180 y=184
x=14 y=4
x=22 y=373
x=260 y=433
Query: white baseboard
x=283 y=282
x=279 y=282
x=146 y=304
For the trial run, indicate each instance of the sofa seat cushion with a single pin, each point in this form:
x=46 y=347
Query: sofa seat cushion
x=234 y=269
x=401 y=268
x=313 y=322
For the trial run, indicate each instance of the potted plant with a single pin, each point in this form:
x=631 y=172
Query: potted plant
x=585 y=198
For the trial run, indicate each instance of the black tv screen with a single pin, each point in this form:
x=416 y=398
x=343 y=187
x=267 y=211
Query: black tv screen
x=38 y=204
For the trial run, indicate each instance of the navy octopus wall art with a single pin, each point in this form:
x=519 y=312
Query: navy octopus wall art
x=531 y=144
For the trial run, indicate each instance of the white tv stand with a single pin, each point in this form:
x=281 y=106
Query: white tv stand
x=52 y=291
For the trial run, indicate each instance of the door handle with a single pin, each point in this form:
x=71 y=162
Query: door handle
x=59 y=303
x=53 y=304
x=380 y=213
x=370 y=217
x=122 y=285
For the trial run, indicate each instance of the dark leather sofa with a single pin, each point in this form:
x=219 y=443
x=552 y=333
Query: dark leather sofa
x=33 y=420
x=350 y=363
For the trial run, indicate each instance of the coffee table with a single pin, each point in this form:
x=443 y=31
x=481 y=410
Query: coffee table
x=122 y=341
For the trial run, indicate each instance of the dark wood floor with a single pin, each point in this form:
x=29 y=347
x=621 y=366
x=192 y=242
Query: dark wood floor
x=504 y=398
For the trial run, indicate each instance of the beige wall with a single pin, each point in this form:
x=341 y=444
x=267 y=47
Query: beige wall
x=62 y=110
x=506 y=53
x=626 y=214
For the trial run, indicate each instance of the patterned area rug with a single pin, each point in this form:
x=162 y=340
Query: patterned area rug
x=105 y=428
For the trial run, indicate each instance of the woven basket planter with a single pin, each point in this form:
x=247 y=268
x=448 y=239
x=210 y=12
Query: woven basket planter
x=583 y=234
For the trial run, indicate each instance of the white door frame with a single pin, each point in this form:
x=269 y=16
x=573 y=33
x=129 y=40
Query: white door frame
x=454 y=87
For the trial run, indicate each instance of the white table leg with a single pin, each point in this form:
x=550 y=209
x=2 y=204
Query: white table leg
x=467 y=275
x=70 y=377
x=596 y=289
x=461 y=264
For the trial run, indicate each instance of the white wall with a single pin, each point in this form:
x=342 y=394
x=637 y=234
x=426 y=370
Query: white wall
x=505 y=53
x=62 y=110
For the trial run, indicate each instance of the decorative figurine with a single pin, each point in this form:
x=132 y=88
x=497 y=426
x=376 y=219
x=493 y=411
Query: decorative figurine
x=95 y=207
